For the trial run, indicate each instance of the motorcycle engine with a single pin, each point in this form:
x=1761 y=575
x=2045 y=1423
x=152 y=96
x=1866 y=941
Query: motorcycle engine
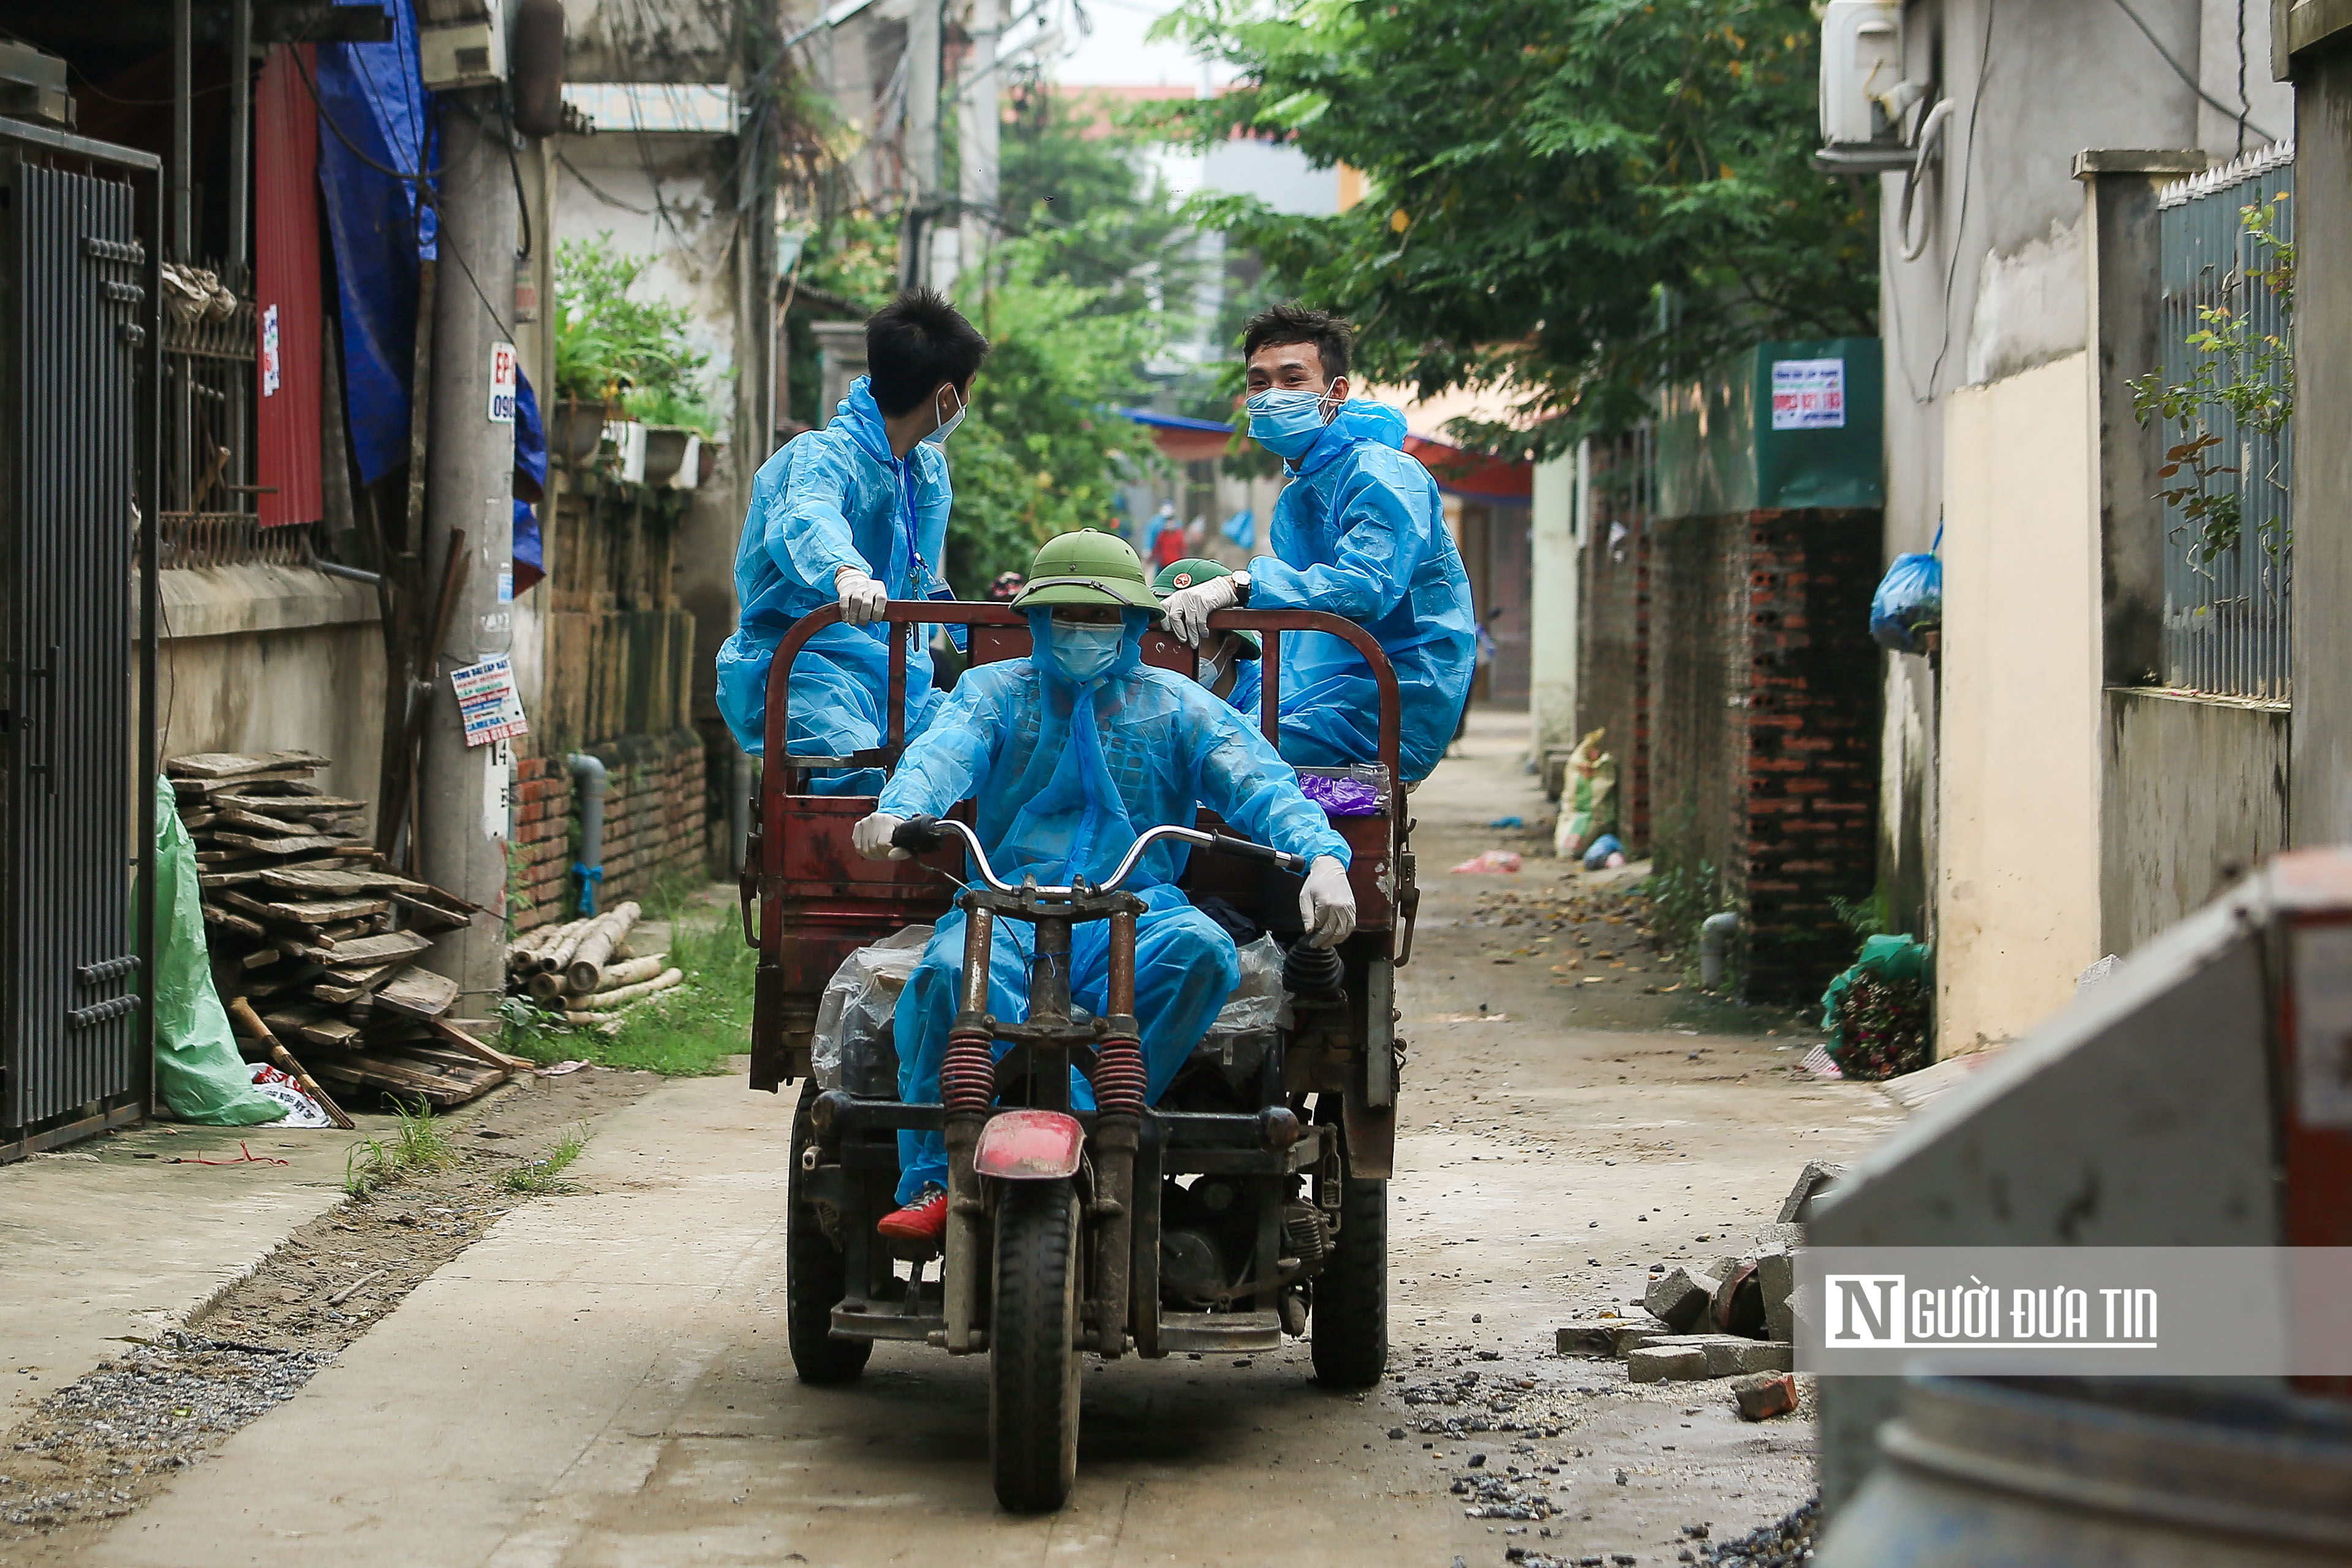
x=1192 y=1270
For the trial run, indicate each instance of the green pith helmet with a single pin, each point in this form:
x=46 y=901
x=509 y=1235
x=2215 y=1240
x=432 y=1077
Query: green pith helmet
x=1199 y=569
x=1087 y=568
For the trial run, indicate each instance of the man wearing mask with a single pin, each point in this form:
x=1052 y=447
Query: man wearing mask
x=855 y=514
x=1068 y=756
x=1358 y=532
x=1228 y=660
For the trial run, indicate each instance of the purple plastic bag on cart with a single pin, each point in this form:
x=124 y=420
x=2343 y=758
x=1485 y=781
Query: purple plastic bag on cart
x=1342 y=796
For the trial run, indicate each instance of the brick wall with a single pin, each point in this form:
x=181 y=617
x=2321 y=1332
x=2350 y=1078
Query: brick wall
x=539 y=847
x=1765 y=697
x=656 y=821
x=1813 y=742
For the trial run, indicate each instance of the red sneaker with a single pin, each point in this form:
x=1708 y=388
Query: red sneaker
x=924 y=1220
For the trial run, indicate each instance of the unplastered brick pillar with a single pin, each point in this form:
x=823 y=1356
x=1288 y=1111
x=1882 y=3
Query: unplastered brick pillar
x=1806 y=710
x=539 y=846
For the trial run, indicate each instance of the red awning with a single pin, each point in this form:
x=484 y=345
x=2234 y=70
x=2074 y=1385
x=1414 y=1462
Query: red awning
x=1191 y=446
x=1470 y=474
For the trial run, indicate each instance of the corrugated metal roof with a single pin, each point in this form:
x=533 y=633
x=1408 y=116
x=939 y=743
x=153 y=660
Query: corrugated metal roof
x=287 y=369
x=705 y=108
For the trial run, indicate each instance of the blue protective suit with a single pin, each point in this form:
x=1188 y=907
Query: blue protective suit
x=1064 y=778
x=1359 y=532
x=1249 y=689
x=830 y=499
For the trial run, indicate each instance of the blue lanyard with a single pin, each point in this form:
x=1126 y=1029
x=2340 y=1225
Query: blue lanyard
x=918 y=571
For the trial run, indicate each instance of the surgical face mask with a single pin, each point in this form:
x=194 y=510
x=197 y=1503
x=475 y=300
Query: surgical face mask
x=938 y=437
x=1213 y=668
x=1084 y=651
x=1286 y=422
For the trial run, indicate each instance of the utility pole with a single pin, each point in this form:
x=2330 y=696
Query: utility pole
x=919 y=154
x=461 y=812
x=182 y=238
x=976 y=175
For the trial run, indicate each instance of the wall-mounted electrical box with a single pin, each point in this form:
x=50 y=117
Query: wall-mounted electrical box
x=461 y=43
x=1863 y=93
x=33 y=86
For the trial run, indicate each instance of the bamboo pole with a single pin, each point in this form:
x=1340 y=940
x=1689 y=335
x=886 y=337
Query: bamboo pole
x=595 y=949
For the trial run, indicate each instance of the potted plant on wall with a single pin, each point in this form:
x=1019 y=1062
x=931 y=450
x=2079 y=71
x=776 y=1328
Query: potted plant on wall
x=677 y=427
x=584 y=383
x=629 y=363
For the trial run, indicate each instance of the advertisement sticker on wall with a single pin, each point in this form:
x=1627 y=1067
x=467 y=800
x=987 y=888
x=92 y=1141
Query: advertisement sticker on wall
x=1809 y=394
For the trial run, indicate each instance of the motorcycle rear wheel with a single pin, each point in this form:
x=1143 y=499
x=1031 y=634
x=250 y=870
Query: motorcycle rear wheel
x=816 y=1276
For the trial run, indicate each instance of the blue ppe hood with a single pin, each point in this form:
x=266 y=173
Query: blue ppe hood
x=1063 y=777
x=1358 y=420
x=1362 y=533
x=1066 y=773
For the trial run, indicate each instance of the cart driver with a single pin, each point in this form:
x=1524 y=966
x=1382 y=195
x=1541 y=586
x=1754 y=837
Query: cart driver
x=1358 y=532
x=854 y=515
x=1068 y=756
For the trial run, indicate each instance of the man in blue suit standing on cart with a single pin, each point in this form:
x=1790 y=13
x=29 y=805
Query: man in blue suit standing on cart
x=855 y=514
x=1359 y=532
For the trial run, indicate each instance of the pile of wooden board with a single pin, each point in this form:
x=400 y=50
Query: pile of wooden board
x=586 y=973
x=307 y=923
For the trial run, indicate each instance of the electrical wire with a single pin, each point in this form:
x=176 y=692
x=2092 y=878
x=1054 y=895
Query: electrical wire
x=1967 y=167
x=2245 y=104
x=2239 y=115
x=427 y=198
x=597 y=191
x=514 y=167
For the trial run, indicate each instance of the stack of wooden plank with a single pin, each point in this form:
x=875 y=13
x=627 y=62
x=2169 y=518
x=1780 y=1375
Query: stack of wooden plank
x=306 y=922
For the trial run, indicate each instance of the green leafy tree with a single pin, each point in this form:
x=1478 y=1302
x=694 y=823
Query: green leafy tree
x=1075 y=300
x=1067 y=170
x=1581 y=197
x=1044 y=448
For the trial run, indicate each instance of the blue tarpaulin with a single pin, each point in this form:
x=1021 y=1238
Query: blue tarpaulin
x=529 y=483
x=374 y=143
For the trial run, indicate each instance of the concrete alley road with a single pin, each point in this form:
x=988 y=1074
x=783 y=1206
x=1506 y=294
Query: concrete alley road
x=601 y=1381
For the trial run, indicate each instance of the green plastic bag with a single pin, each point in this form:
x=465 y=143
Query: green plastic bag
x=1892 y=963
x=199 y=1076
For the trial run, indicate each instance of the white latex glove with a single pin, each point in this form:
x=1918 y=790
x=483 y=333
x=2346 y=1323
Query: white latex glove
x=1327 y=903
x=871 y=839
x=1189 y=609
x=862 y=598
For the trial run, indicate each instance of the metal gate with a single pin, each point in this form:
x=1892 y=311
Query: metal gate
x=2229 y=590
x=78 y=335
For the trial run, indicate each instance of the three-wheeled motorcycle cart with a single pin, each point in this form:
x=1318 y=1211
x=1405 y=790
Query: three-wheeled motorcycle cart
x=1251 y=1202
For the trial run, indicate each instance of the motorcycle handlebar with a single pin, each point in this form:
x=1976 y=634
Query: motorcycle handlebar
x=921 y=835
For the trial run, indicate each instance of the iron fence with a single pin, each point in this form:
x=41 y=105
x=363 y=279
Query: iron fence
x=209 y=518
x=2228 y=577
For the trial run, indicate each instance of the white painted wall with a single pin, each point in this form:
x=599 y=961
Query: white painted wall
x=653 y=194
x=259 y=659
x=1553 y=608
x=2018 y=878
